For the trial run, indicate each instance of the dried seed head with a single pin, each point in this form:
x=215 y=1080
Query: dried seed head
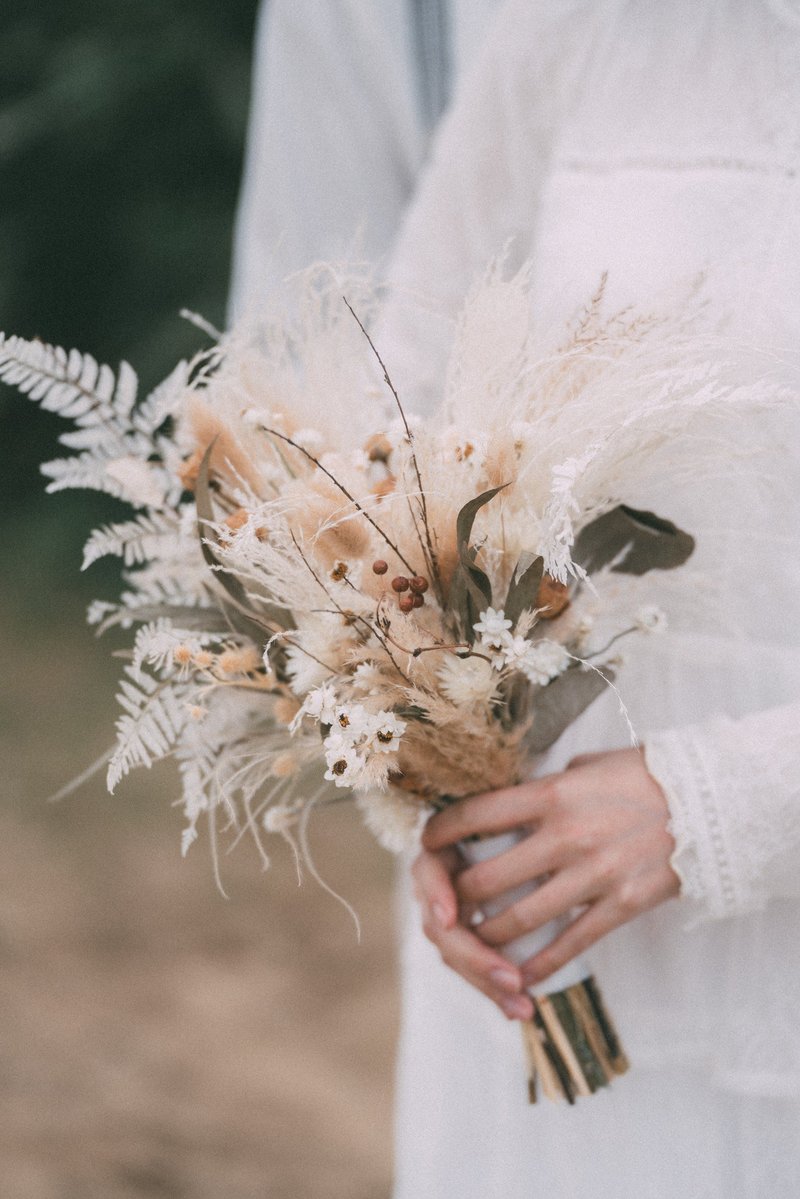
x=237 y=519
x=378 y=447
x=385 y=487
x=339 y=572
x=283 y=766
x=419 y=584
x=239 y=661
x=400 y=583
x=380 y=567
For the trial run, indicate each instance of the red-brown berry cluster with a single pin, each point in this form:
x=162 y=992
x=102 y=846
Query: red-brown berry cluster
x=410 y=592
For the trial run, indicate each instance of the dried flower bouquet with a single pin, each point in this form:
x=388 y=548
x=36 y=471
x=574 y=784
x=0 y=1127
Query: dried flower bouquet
x=330 y=595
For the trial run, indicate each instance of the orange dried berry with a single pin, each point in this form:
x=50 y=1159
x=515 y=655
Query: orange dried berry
x=400 y=583
x=419 y=584
x=380 y=567
x=406 y=603
x=419 y=599
x=552 y=598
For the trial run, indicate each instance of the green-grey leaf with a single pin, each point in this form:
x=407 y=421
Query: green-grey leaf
x=470 y=588
x=634 y=541
x=561 y=702
x=524 y=586
x=466 y=517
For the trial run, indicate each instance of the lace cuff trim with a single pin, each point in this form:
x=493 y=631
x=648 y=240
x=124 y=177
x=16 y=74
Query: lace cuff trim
x=733 y=789
x=699 y=858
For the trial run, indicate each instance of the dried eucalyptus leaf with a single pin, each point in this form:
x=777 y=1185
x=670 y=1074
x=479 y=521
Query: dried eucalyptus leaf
x=634 y=541
x=466 y=517
x=562 y=702
x=524 y=586
x=470 y=589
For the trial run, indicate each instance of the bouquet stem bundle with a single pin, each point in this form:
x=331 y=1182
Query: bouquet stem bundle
x=573 y=1048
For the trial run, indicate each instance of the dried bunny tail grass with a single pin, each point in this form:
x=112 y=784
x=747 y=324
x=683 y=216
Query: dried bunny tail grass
x=229 y=460
x=313 y=354
x=458 y=759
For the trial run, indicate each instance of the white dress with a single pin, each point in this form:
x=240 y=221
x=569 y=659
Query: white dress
x=650 y=141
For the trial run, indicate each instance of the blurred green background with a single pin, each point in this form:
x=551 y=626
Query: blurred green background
x=156 y=1040
x=122 y=130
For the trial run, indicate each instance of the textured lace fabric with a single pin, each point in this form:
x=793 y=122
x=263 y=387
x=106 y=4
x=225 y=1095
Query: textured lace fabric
x=734 y=794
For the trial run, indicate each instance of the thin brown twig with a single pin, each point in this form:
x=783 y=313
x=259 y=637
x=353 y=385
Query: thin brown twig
x=346 y=614
x=316 y=462
x=430 y=554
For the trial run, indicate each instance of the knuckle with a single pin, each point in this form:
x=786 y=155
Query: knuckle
x=605 y=868
x=551 y=791
x=474 y=884
x=584 y=839
x=430 y=929
x=629 y=897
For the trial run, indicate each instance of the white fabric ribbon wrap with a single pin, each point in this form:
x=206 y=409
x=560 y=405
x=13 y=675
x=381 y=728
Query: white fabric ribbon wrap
x=531 y=943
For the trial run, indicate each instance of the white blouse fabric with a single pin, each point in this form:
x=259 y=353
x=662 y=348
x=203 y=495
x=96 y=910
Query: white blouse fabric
x=650 y=141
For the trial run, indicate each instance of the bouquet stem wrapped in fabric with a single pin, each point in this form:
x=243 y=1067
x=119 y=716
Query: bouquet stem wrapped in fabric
x=330 y=596
x=573 y=1048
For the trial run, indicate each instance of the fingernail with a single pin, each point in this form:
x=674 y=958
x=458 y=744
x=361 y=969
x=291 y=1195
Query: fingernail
x=505 y=978
x=440 y=914
x=516 y=1007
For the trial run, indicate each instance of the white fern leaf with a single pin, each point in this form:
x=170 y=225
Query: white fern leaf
x=162 y=401
x=70 y=384
x=85 y=471
x=150 y=536
x=153 y=721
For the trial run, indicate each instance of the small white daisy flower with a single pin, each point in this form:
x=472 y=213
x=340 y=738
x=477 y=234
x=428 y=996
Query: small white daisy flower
x=385 y=732
x=319 y=704
x=353 y=722
x=492 y=623
x=344 y=762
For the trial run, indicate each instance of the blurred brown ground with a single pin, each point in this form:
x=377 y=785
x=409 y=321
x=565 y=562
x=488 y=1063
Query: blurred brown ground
x=157 y=1039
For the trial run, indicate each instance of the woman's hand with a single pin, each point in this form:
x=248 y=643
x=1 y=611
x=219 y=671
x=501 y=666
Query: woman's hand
x=600 y=842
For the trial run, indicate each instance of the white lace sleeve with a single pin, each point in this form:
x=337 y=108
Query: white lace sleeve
x=733 y=788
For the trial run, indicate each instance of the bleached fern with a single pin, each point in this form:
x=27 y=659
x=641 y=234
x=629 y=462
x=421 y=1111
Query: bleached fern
x=162 y=402
x=155 y=715
x=72 y=384
x=143 y=539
